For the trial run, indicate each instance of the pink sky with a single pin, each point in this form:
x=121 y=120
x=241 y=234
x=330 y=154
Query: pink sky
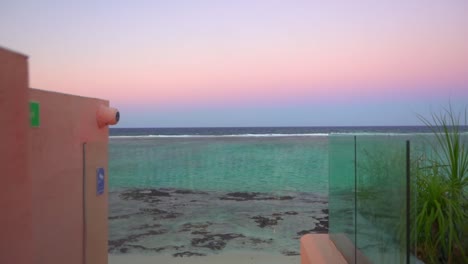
x=178 y=53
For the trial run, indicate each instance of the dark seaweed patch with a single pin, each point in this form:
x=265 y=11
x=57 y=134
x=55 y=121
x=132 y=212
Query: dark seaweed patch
x=159 y=249
x=290 y=253
x=291 y=213
x=257 y=241
x=146 y=226
x=187 y=227
x=189 y=192
x=265 y=221
x=114 y=244
x=153 y=211
x=125 y=216
x=144 y=194
x=187 y=254
x=319 y=229
x=252 y=196
x=214 y=241
x=160 y=214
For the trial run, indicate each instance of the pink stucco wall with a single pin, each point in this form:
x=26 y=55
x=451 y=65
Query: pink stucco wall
x=42 y=169
x=56 y=168
x=15 y=188
x=319 y=249
x=96 y=206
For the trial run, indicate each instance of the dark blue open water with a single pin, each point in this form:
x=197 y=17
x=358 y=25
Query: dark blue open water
x=264 y=130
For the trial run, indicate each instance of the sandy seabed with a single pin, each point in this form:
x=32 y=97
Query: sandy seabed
x=205 y=225
x=223 y=258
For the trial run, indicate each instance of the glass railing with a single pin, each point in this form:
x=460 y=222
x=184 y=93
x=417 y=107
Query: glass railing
x=341 y=198
x=368 y=195
x=381 y=193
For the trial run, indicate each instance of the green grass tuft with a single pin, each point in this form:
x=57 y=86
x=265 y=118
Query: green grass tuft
x=440 y=231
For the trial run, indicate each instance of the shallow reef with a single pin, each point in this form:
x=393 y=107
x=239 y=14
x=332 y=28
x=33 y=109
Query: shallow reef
x=186 y=223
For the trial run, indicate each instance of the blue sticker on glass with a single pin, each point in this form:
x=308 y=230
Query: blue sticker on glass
x=100 y=181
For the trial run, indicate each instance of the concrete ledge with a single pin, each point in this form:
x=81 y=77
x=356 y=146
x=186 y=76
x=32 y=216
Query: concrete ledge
x=318 y=249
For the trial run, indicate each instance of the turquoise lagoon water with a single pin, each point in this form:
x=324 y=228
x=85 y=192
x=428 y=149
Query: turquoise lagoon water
x=269 y=164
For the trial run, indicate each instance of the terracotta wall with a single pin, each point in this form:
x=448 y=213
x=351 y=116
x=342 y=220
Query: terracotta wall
x=96 y=231
x=319 y=249
x=56 y=168
x=15 y=186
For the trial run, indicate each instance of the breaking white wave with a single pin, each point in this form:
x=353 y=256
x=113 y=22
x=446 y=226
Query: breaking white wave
x=233 y=135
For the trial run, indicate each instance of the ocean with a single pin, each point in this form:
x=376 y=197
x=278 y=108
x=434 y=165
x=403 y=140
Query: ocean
x=202 y=191
x=262 y=159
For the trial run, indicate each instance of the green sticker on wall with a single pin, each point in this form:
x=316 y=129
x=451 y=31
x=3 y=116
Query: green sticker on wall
x=34 y=114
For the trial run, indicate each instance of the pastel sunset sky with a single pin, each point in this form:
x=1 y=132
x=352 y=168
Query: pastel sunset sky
x=191 y=63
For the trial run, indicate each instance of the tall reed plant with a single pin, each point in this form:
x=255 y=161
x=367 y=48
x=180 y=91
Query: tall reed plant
x=441 y=182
